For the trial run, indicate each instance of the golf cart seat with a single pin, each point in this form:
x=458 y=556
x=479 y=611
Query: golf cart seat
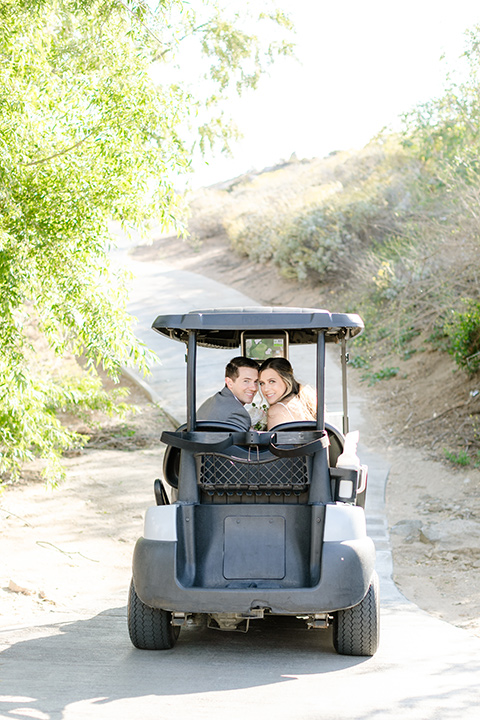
x=249 y=473
x=334 y=435
x=171 y=460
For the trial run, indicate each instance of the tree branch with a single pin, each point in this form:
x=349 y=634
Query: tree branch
x=184 y=37
x=150 y=32
x=60 y=152
x=445 y=412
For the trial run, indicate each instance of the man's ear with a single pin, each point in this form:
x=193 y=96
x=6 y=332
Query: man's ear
x=229 y=382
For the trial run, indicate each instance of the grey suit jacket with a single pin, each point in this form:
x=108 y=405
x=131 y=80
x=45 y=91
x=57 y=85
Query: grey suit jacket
x=224 y=407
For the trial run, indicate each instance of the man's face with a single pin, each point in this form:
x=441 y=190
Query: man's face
x=245 y=385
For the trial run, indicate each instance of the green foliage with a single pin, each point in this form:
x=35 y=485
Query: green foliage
x=463 y=331
x=358 y=361
x=461 y=458
x=385 y=373
x=30 y=418
x=407 y=335
x=124 y=431
x=445 y=132
x=438 y=338
x=98 y=117
x=82 y=394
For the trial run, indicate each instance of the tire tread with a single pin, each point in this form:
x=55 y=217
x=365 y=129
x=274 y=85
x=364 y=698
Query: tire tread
x=149 y=628
x=356 y=630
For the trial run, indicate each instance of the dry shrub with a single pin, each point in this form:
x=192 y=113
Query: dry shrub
x=315 y=216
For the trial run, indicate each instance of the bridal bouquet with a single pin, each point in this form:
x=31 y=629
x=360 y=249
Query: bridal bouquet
x=258 y=414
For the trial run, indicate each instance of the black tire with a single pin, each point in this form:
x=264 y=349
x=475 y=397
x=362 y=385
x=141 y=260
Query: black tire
x=149 y=628
x=356 y=631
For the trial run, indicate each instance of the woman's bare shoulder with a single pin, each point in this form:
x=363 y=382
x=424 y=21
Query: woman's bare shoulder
x=277 y=414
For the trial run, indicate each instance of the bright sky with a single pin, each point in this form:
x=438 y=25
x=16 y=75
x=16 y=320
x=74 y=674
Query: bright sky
x=362 y=64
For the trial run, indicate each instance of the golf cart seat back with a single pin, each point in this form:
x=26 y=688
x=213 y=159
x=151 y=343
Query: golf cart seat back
x=246 y=473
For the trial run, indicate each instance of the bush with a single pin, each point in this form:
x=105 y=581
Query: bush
x=460 y=458
x=318 y=218
x=463 y=331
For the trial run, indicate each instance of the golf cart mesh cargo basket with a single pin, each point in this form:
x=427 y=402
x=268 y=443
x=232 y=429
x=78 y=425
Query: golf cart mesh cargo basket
x=219 y=472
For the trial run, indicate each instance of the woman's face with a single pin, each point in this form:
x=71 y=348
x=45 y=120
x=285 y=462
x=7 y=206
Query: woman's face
x=272 y=386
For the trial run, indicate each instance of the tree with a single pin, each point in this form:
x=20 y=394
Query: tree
x=97 y=122
x=445 y=131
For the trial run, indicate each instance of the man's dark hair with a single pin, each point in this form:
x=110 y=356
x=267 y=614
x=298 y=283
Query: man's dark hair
x=235 y=363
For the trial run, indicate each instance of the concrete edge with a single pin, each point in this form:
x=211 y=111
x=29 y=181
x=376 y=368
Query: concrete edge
x=152 y=395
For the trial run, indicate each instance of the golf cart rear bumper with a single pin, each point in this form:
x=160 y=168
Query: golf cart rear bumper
x=346 y=572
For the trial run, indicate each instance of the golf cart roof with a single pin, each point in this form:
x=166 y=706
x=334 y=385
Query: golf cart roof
x=223 y=328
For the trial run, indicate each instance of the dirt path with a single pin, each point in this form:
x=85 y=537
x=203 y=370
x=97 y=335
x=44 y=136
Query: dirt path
x=69 y=549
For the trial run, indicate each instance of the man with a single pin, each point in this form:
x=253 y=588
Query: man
x=241 y=384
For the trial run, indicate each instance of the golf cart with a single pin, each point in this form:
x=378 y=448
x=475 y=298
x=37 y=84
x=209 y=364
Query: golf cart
x=255 y=523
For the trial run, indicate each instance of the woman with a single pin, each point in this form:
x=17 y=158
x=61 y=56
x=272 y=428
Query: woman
x=288 y=400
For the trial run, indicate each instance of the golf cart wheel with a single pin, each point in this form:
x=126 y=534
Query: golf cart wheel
x=356 y=630
x=149 y=628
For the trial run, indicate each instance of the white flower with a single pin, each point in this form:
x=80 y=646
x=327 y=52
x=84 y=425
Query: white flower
x=258 y=415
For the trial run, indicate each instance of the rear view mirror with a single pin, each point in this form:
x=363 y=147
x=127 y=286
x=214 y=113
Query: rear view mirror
x=265 y=345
